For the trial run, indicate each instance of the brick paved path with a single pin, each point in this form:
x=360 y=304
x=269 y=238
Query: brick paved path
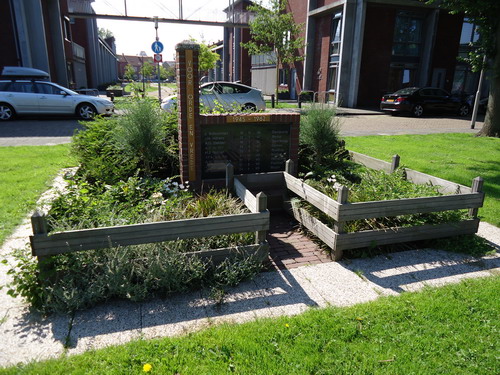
x=289 y=247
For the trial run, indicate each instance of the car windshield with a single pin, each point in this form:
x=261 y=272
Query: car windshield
x=406 y=91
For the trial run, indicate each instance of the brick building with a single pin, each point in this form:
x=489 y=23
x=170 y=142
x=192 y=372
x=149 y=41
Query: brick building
x=40 y=34
x=358 y=50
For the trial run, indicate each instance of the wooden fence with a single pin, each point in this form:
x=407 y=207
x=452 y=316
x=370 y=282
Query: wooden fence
x=45 y=244
x=341 y=211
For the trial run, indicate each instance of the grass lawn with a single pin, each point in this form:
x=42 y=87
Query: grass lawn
x=455 y=157
x=26 y=172
x=281 y=105
x=450 y=330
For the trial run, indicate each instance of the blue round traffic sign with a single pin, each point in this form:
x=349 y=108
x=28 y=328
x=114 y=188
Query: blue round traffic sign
x=157 y=47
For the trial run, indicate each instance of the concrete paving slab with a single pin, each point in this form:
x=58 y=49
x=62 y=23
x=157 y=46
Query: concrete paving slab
x=175 y=315
x=27 y=337
x=104 y=325
x=338 y=285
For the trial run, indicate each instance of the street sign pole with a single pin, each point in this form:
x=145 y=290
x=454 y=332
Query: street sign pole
x=158 y=67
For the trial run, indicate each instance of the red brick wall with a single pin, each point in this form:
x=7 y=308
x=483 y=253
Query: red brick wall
x=321 y=53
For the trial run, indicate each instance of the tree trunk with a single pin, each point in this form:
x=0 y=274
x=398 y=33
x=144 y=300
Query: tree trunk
x=491 y=127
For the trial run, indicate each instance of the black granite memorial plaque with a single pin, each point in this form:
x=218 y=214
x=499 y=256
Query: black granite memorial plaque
x=250 y=147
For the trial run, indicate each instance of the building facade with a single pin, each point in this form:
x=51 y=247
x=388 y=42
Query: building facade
x=358 y=50
x=40 y=34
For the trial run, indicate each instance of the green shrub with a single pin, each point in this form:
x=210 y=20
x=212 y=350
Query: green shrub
x=377 y=186
x=82 y=279
x=321 y=148
x=143 y=141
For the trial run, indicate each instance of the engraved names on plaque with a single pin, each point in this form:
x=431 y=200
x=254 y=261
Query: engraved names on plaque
x=250 y=147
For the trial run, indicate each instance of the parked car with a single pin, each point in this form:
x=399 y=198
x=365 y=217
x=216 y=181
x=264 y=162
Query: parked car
x=228 y=95
x=32 y=94
x=419 y=101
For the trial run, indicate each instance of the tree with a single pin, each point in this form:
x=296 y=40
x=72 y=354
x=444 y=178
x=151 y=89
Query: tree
x=147 y=69
x=485 y=14
x=275 y=33
x=206 y=58
x=104 y=33
x=129 y=72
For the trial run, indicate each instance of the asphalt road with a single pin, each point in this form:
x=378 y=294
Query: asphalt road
x=57 y=130
x=38 y=131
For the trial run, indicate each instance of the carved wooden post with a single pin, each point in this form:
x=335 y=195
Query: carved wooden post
x=260 y=236
x=290 y=167
x=229 y=178
x=395 y=163
x=477 y=187
x=343 y=196
x=39 y=226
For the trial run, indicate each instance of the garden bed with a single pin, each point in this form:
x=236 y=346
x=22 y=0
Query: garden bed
x=341 y=211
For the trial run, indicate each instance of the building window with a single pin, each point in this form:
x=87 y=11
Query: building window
x=336 y=36
x=335 y=46
x=283 y=77
x=407 y=35
x=66 y=28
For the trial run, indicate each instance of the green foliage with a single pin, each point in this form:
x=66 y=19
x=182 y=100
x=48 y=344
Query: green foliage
x=274 y=30
x=377 y=186
x=207 y=58
x=82 y=279
x=104 y=33
x=447 y=330
x=129 y=72
x=483 y=13
x=455 y=157
x=321 y=148
x=26 y=172
x=141 y=134
x=143 y=141
x=147 y=69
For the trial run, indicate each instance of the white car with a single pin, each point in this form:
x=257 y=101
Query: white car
x=21 y=96
x=225 y=95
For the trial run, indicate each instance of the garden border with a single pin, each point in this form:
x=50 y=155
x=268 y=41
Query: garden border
x=44 y=245
x=461 y=197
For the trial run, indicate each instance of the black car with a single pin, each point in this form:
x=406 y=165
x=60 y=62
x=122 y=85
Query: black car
x=419 y=101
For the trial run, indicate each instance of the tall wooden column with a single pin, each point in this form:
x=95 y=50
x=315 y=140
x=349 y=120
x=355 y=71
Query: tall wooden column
x=188 y=105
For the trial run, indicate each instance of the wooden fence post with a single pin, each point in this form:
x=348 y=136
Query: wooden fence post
x=343 y=196
x=39 y=226
x=395 y=163
x=477 y=187
x=230 y=178
x=260 y=236
x=290 y=167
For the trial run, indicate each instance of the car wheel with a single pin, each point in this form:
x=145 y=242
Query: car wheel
x=418 y=110
x=86 y=111
x=249 y=107
x=464 y=110
x=6 y=112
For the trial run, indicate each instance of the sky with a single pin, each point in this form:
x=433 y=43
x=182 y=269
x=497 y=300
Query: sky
x=132 y=37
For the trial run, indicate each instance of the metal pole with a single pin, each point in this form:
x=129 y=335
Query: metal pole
x=478 y=95
x=158 y=67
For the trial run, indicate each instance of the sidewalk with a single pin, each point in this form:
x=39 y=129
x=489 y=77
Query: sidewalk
x=287 y=291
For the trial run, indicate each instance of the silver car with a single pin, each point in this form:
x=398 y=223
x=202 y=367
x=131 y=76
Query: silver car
x=227 y=96
x=29 y=97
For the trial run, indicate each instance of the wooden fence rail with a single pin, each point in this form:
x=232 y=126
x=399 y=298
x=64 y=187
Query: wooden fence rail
x=341 y=211
x=45 y=244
